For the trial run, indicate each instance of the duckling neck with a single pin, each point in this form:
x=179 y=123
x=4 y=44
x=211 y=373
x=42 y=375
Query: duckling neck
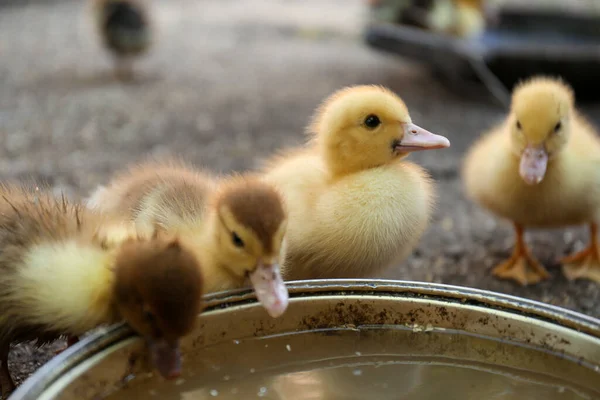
x=339 y=167
x=67 y=286
x=342 y=159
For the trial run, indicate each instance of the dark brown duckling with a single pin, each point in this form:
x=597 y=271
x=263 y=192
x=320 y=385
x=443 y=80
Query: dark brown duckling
x=125 y=29
x=65 y=270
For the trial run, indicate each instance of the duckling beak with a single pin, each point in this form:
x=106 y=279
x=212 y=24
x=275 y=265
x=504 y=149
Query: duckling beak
x=415 y=138
x=166 y=358
x=534 y=161
x=270 y=289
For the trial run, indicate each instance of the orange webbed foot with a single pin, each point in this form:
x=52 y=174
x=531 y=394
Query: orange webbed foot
x=521 y=267
x=586 y=263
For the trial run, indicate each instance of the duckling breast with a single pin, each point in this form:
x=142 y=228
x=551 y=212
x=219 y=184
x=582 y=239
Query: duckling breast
x=360 y=224
x=569 y=194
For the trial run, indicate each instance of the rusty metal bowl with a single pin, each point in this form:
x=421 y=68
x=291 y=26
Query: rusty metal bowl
x=348 y=339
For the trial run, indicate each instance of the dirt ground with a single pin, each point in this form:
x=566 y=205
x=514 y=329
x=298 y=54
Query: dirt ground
x=228 y=82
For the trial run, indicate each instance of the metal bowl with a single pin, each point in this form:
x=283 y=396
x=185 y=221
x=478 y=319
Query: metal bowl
x=348 y=339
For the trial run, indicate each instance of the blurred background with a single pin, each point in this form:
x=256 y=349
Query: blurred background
x=227 y=82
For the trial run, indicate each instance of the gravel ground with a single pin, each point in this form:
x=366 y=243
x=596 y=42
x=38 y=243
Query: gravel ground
x=228 y=82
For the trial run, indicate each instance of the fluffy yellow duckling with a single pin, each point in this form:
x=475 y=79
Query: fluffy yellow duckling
x=124 y=27
x=235 y=226
x=463 y=18
x=539 y=168
x=355 y=205
x=470 y=18
x=66 y=270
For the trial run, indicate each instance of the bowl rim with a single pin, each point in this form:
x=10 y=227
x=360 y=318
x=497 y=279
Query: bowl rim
x=103 y=338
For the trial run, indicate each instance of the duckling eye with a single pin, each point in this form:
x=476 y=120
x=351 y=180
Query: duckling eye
x=372 y=121
x=237 y=241
x=149 y=317
x=519 y=125
x=557 y=126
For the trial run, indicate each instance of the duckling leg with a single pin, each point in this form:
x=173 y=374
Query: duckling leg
x=124 y=69
x=586 y=263
x=71 y=340
x=521 y=266
x=6 y=382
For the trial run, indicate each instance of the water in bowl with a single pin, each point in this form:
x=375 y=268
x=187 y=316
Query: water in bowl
x=391 y=363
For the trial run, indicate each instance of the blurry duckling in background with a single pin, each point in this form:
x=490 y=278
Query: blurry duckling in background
x=67 y=270
x=235 y=225
x=355 y=205
x=124 y=28
x=462 y=18
x=469 y=18
x=540 y=168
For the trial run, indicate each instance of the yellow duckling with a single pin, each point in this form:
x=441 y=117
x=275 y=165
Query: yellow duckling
x=67 y=270
x=355 y=205
x=539 y=168
x=235 y=225
x=462 y=18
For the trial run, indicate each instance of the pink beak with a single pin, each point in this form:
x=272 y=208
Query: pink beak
x=166 y=358
x=534 y=161
x=270 y=289
x=416 y=138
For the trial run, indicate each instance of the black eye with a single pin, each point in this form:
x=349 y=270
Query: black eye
x=518 y=125
x=372 y=121
x=557 y=126
x=149 y=317
x=237 y=241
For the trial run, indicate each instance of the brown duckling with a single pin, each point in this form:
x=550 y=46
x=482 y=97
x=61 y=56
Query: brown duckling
x=235 y=225
x=124 y=27
x=66 y=270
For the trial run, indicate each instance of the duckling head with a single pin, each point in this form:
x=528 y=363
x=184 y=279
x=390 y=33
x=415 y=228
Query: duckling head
x=252 y=223
x=158 y=291
x=540 y=118
x=362 y=127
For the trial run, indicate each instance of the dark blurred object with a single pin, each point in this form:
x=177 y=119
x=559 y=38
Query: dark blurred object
x=125 y=30
x=414 y=14
x=523 y=42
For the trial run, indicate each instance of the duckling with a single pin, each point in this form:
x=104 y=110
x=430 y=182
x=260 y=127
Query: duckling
x=67 y=270
x=355 y=204
x=539 y=168
x=462 y=18
x=124 y=27
x=235 y=225
x=469 y=18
